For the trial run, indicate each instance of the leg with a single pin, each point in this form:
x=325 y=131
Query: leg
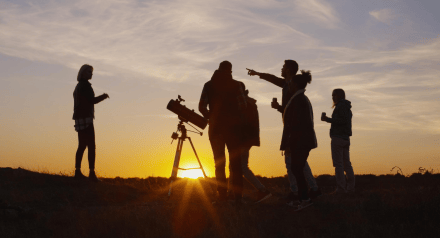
x=348 y=168
x=299 y=158
x=233 y=141
x=337 y=155
x=290 y=176
x=248 y=174
x=237 y=175
x=91 y=146
x=311 y=181
x=81 y=148
x=218 y=149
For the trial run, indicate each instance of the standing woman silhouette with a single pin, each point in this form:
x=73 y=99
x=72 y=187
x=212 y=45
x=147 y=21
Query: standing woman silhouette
x=83 y=114
x=299 y=136
x=340 y=132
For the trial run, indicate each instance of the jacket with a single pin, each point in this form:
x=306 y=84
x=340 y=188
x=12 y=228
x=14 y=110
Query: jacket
x=83 y=97
x=226 y=100
x=298 y=131
x=341 y=120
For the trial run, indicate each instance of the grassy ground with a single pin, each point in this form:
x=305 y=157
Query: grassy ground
x=43 y=205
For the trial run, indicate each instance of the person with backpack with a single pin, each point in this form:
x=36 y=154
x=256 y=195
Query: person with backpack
x=84 y=114
x=251 y=138
x=227 y=102
x=340 y=132
x=288 y=72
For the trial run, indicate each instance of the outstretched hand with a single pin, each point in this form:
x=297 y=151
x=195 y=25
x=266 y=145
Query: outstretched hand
x=252 y=72
x=106 y=95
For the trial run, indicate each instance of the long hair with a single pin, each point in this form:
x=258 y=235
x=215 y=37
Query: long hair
x=81 y=71
x=303 y=79
x=340 y=92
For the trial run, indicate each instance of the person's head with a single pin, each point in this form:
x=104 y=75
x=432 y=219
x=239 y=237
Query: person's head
x=290 y=68
x=225 y=66
x=300 y=81
x=85 y=72
x=338 y=95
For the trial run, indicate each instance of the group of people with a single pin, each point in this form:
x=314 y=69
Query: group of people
x=234 y=123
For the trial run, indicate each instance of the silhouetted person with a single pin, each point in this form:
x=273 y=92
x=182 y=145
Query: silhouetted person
x=340 y=132
x=251 y=138
x=83 y=114
x=299 y=136
x=288 y=72
x=227 y=102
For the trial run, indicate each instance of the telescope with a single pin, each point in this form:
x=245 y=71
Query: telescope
x=185 y=114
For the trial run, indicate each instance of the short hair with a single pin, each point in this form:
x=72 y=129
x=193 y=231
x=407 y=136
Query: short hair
x=340 y=92
x=225 y=66
x=301 y=80
x=81 y=71
x=292 y=65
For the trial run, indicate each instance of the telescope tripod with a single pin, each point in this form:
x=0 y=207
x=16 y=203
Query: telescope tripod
x=180 y=140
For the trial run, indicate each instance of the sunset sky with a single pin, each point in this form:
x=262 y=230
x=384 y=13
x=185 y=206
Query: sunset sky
x=384 y=53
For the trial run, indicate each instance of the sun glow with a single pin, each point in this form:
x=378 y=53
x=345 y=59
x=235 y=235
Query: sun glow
x=192 y=174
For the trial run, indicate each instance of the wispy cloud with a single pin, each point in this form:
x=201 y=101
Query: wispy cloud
x=386 y=16
x=166 y=40
x=319 y=11
x=176 y=41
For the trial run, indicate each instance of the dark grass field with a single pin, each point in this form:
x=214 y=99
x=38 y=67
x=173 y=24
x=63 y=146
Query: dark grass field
x=35 y=204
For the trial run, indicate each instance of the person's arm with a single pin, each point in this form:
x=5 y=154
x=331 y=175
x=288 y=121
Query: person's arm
x=268 y=77
x=343 y=116
x=100 y=98
x=203 y=103
x=272 y=79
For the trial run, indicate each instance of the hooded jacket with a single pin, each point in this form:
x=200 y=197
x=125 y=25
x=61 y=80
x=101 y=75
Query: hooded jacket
x=226 y=100
x=341 y=120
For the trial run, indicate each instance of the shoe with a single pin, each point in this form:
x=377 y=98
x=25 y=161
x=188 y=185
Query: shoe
x=293 y=203
x=79 y=175
x=304 y=204
x=291 y=196
x=261 y=196
x=93 y=178
x=315 y=194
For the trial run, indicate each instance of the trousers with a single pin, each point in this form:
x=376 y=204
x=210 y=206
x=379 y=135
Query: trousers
x=341 y=162
x=86 y=139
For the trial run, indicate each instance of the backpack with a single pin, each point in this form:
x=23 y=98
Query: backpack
x=251 y=128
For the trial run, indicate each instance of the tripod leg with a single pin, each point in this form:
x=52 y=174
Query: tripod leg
x=176 y=164
x=198 y=160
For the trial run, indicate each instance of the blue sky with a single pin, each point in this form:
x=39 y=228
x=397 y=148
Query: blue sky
x=384 y=54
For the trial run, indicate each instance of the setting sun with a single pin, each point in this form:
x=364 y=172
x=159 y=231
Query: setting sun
x=193 y=174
